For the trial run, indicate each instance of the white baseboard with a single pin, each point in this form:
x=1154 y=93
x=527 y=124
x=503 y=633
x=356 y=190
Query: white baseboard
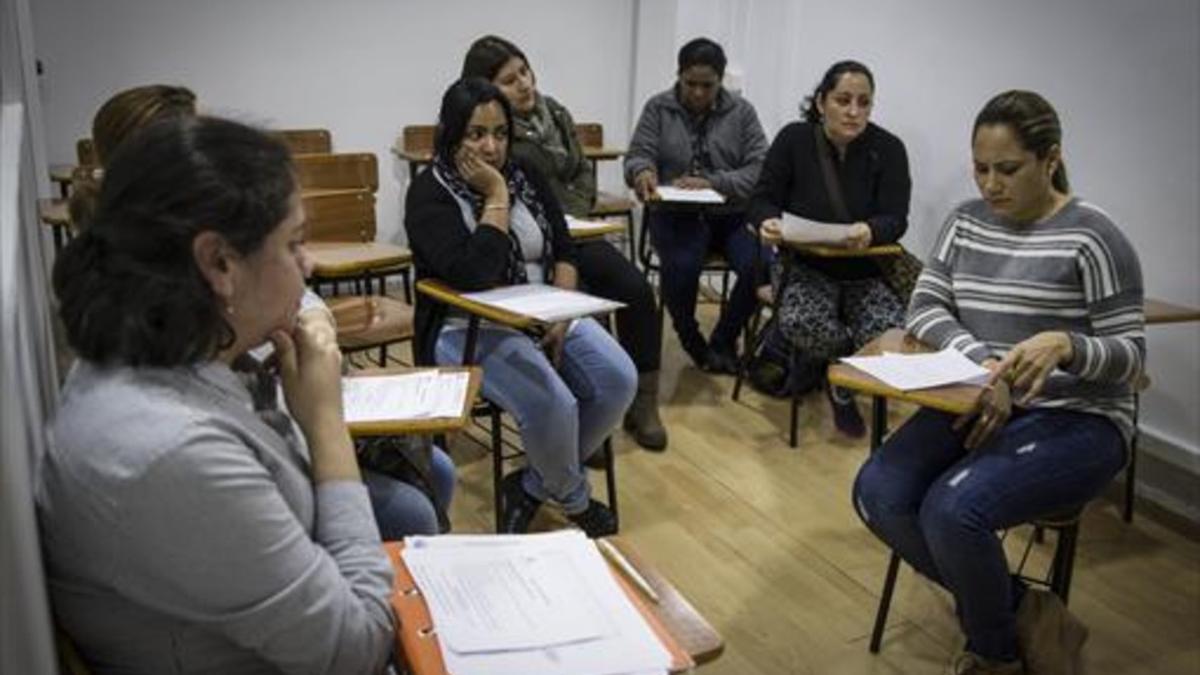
x=1169 y=474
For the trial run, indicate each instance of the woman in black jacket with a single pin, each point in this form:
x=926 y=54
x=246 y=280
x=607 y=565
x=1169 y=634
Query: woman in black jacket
x=544 y=138
x=477 y=220
x=836 y=168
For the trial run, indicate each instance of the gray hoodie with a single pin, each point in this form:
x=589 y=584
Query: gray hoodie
x=666 y=138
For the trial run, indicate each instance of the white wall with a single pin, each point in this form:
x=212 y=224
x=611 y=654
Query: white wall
x=1125 y=80
x=361 y=68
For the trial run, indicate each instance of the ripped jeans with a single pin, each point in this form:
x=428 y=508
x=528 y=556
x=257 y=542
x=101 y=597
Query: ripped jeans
x=939 y=506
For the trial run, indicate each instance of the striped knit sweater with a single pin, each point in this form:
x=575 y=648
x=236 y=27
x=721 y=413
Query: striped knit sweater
x=989 y=284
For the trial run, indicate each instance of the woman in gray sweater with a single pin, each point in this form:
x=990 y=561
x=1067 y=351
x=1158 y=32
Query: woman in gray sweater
x=189 y=523
x=1043 y=289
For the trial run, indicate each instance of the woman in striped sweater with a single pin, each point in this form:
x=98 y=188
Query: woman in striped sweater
x=1044 y=290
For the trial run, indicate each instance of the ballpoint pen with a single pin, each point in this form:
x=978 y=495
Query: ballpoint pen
x=614 y=556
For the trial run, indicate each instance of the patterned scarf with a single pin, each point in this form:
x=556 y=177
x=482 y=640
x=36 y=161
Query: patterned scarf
x=519 y=189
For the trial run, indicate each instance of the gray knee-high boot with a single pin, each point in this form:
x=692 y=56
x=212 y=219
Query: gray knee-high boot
x=642 y=417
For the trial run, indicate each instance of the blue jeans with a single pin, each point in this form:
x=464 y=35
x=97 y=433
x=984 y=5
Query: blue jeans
x=682 y=241
x=939 y=506
x=402 y=509
x=563 y=415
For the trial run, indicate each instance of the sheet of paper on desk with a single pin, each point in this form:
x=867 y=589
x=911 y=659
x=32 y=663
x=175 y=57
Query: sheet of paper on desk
x=623 y=644
x=420 y=395
x=544 y=302
x=797 y=230
x=581 y=226
x=907 y=372
x=667 y=193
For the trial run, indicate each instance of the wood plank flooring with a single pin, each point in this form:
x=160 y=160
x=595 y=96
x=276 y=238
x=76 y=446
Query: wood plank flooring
x=763 y=540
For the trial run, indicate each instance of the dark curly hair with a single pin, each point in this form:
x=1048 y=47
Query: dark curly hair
x=128 y=286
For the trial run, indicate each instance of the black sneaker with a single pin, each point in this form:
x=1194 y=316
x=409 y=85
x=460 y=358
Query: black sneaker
x=699 y=355
x=519 y=507
x=597 y=520
x=721 y=361
x=845 y=412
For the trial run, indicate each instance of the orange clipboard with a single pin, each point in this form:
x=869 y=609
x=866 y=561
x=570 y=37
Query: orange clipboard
x=417 y=643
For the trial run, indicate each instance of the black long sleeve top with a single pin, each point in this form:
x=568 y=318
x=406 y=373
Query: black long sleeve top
x=445 y=248
x=874 y=180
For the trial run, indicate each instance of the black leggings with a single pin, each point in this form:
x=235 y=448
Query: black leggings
x=603 y=271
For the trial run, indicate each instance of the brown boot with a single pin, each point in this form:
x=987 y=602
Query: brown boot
x=1050 y=638
x=967 y=663
x=642 y=417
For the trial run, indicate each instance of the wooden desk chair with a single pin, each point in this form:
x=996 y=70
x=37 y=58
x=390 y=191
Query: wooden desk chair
x=433 y=290
x=53 y=213
x=348 y=217
x=305 y=141
x=341 y=234
x=591 y=138
x=416 y=147
x=954 y=399
x=366 y=322
x=338 y=171
x=767 y=300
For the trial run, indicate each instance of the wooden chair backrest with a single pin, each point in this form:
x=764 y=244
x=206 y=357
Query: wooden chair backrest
x=306 y=141
x=590 y=134
x=343 y=170
x=343 y=216
x=85 y=151
x=418 y=138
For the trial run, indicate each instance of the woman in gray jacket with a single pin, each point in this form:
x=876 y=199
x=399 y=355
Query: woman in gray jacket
x=700 y=135
x=189 y=523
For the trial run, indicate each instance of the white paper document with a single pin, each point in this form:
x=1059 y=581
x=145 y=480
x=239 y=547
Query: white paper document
x=798 y=230
x=581 y=226
x=668 y=193
x=907 y=372
x=544 y=302
x=420 y=395
x=542 y=604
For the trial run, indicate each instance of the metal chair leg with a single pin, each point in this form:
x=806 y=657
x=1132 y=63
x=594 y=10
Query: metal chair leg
x=885 y=602
x=497 y=468
x=793 y=365
x=1131 y=469
x=610 y=479
x=1064 y=561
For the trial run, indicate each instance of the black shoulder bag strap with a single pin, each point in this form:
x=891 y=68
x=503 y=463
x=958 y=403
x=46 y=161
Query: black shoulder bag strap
x=829 y=173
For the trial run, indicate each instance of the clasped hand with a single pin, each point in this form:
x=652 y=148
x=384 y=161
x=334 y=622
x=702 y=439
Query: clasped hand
x=1025 y=368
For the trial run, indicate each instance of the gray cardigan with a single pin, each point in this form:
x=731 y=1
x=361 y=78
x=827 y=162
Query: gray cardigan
x=666 y=133
x=183 y=534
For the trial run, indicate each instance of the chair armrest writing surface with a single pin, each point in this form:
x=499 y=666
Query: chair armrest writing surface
x=337 y=259
x=439 y=291
x=596 y=232
x=596 y=153
x=429 y=425
x=62 y=173
x=53 y=212
x=1161 y=311
x=676 y=623
x=822 y=251
x=957 y=399
x=687 y=626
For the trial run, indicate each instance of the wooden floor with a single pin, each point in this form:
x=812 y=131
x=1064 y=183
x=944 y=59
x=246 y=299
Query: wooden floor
x=763 y=540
